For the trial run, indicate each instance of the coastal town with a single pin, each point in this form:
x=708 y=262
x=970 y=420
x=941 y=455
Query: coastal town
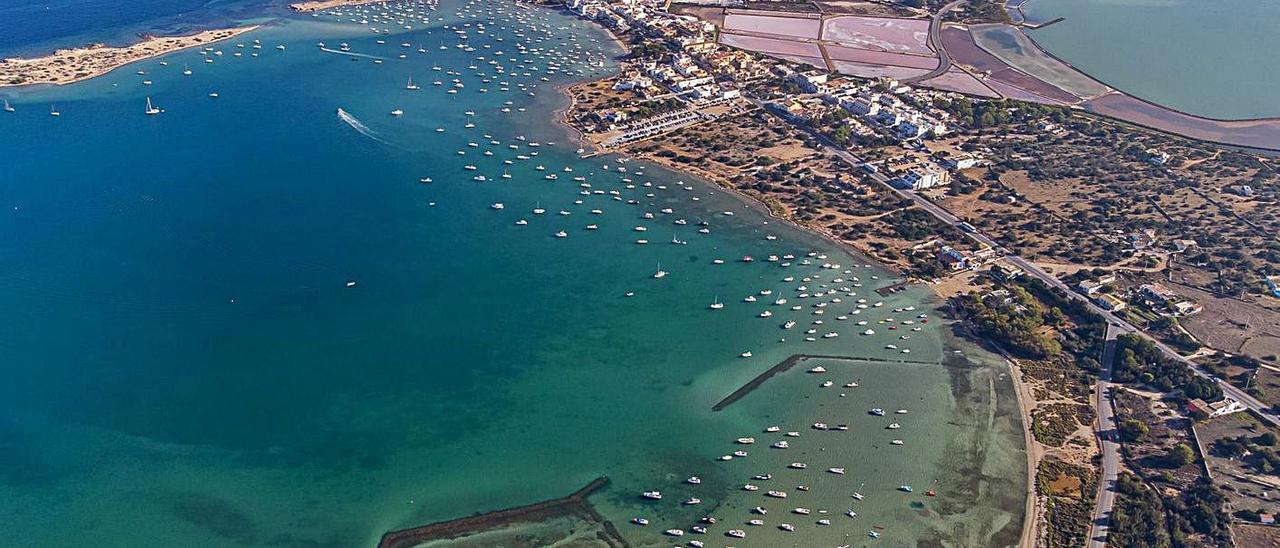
x=1118 y=260
x=1103 y=260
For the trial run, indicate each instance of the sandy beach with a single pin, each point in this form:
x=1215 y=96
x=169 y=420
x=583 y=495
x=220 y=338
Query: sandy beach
x=73 y=65
x=322 y=5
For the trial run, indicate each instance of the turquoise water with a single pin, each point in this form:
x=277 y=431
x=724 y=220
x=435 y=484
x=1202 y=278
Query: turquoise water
x=1215 y=59
x=184 y=364
x=36 y=27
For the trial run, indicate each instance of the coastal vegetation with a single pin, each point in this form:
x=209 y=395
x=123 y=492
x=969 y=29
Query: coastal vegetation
x=1139 y=361
x=1017 y=320
x=1167 y=499
x=1137 y=519
x=1068 y=490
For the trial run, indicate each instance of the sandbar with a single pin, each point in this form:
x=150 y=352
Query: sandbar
x=65 y=66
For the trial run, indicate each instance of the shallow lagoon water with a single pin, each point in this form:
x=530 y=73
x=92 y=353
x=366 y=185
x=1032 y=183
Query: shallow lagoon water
x=187 y=368
x=1213 y=59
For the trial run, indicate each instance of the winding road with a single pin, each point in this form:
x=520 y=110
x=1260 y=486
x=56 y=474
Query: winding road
x=935 y=39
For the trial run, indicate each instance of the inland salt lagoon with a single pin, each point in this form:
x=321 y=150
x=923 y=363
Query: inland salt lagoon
x=1214 y=59
x=247 y=321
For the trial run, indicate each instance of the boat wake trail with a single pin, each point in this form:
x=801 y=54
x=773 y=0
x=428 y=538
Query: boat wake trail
x=359 y=126
x=353 y=54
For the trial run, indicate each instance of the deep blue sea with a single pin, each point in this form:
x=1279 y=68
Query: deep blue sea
x=185 y=364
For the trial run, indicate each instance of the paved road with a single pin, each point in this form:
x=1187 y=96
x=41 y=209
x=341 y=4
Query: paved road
x=1110 y=449
x=1121 y=325
x=935 y=38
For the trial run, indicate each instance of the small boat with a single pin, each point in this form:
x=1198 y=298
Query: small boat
x=894 y=426
x=873 y=534
x=745 y=354
x=692 y=501
x=801 y=511
x=877 y=412
x=857 y=495
x=905 y=488
x=797 y=465
x=397 y=112
x=773 y=429
x=640 y=521
x=749 y=487
x=562 y=234
x=896 y=442
x=746 y=441
x=660 y=273
x=780 y=444
x=674 y=532
x=760 y=510
x=7 y=107
x=736 y=533
x=851 y=514
x=652 y=495
x=497 y=205
x=837 y=471
x=411 y=86
x=53 y=111
x=777 y=494
x=693 y=480
x=351 y=283
x=716 y=304
x=787 y=527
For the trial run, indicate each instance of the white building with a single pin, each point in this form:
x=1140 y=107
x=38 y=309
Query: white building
x=920 y=179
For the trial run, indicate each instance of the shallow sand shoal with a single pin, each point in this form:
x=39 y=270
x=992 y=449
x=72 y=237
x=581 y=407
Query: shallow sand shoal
x=73 y=65
x=322 y=5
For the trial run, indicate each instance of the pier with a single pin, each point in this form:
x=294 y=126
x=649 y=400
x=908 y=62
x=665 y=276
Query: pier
x=891 y=289
x=1038 y=26
x=575 y=504
x=790 y=362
